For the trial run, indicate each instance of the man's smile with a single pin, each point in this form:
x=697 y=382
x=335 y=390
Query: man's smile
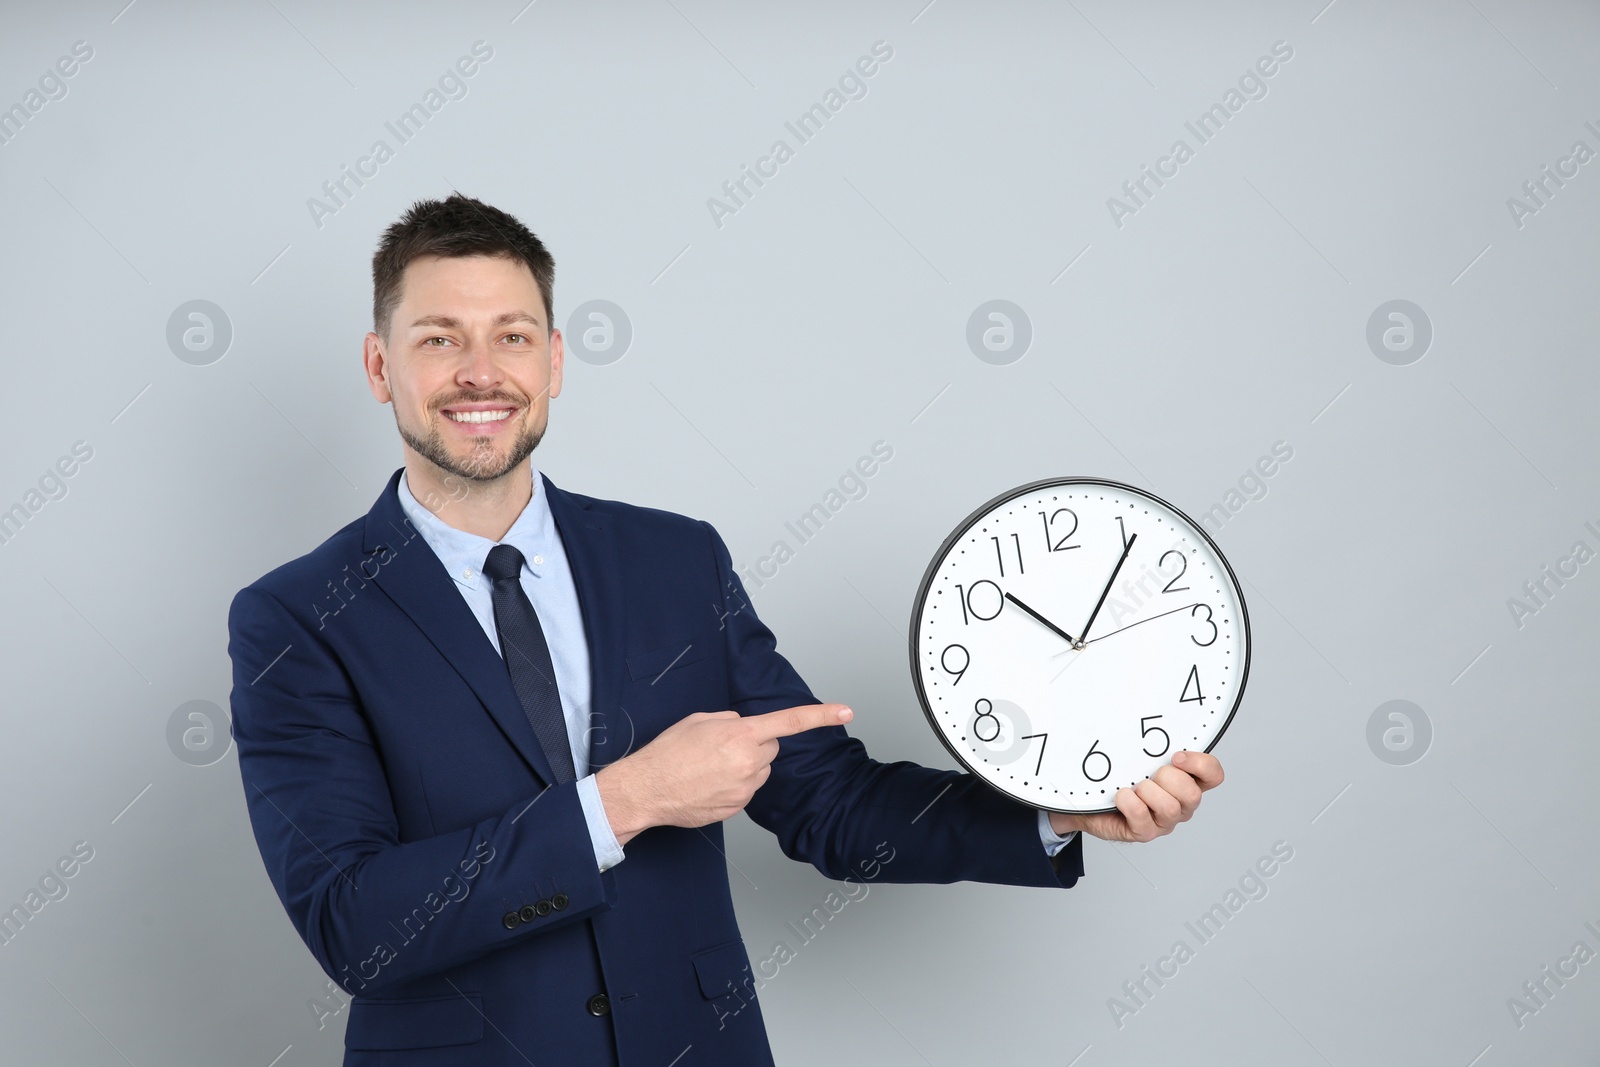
x=479 y=420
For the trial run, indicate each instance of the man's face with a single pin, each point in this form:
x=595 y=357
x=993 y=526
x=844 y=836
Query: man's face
x=470 y=364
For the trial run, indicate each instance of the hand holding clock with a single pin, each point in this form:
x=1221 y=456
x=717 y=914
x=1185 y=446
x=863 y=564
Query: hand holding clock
x=1155 y=806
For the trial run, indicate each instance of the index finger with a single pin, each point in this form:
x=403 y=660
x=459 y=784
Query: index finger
x=1203 y=767
x=787 y=721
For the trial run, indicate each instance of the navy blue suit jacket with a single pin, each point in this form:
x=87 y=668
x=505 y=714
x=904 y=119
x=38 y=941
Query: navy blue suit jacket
x=406 y=817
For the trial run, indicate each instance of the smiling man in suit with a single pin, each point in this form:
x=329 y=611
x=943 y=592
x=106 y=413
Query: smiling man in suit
x=489 y=731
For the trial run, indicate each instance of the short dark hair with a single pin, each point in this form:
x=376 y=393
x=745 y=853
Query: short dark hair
x=455 y=226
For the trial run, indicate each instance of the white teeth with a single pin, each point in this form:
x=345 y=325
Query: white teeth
x=478 y=416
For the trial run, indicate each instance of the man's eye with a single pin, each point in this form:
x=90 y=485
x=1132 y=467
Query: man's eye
x=516 y=338
x=430 y=341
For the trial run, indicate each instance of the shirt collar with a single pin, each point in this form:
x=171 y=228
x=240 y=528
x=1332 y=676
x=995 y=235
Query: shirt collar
x=463 y=553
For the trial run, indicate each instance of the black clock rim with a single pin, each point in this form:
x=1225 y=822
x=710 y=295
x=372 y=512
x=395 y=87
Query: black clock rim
x=967 y=524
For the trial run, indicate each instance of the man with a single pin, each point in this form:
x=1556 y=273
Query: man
x=488 y=732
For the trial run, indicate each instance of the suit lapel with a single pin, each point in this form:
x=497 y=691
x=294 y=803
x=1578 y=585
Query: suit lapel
x=413 y=577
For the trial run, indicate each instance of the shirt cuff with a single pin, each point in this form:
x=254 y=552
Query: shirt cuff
x=607 y=853
x=1052 y=841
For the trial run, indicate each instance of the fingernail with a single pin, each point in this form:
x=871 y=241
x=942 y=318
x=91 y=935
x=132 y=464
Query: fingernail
x=846 y=714
x=1181 y=756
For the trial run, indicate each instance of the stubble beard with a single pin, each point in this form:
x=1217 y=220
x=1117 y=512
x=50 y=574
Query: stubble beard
x=482 y=463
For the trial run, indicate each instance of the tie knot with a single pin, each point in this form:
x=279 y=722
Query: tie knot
x=504 y=562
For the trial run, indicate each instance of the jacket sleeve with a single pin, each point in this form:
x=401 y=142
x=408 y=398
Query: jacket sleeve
x=375 y=910
x=833 y=806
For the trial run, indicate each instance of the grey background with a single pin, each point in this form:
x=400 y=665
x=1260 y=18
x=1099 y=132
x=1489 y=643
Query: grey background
x=1229 y=313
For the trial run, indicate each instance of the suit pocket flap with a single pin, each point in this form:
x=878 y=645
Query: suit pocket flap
x=652 y=664
x=420 y=1022
x=721 y=970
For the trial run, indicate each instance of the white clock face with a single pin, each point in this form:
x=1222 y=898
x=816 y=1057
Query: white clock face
x=1071 y=635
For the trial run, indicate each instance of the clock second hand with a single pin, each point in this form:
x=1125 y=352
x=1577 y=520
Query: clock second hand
x=1141 y=622
x=1079 y=644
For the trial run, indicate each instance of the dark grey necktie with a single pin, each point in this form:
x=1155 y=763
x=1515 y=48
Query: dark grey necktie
x=527 y=657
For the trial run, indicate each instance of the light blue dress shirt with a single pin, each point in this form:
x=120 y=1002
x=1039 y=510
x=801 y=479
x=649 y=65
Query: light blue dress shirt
x=547 y=579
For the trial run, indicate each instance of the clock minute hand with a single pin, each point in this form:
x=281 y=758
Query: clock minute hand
x=1107 y=590
x=1041 y=618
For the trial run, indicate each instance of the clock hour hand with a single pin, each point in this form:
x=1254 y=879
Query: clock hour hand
x=1109 y=582
x=1041 y=618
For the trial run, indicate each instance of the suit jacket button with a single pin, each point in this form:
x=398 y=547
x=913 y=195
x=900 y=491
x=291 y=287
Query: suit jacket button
x=543 y=908
x=510 y=920
x=529 y=913
x=559 y=901
x=599 y=1004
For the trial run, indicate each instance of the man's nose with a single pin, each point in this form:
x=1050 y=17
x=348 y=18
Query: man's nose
x=478 y=369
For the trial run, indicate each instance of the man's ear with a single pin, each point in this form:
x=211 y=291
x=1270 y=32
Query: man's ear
x=377 y=367
x=557 y=358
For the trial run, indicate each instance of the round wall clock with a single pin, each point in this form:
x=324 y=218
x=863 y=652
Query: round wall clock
x=1071 y=635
